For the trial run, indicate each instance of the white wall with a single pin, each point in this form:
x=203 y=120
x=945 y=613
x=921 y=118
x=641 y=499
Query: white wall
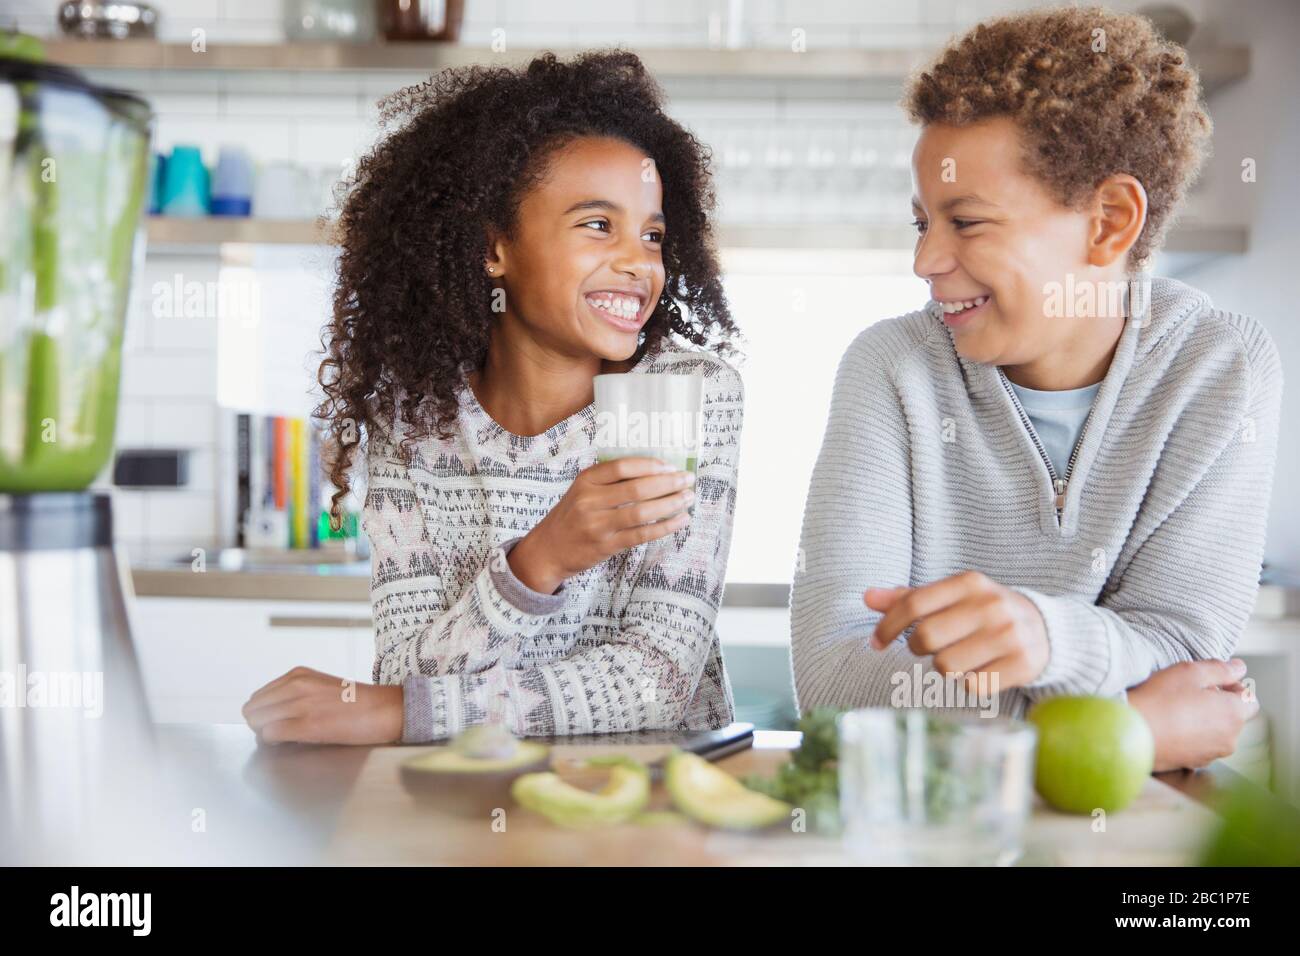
x=1259 y=119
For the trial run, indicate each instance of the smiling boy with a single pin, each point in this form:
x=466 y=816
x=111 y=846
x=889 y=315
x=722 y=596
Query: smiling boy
x=1034 y=478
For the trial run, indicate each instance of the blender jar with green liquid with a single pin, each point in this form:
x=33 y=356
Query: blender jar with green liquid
x=74 y=170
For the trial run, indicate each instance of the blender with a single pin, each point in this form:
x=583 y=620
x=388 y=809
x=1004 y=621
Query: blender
x=74 y=176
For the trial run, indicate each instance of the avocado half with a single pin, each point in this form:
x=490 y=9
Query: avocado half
x=467 y=785
x=716 y=798
x=624 y=795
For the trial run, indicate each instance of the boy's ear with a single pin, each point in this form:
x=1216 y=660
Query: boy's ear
x=1119 y=214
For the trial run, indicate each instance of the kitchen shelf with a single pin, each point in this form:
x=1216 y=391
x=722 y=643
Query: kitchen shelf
x=167 y=232
x=1219 y=65
x=430 y=57
x=179 y=231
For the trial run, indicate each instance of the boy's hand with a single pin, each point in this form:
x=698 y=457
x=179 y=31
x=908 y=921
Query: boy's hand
x=970 y=623
x=306 y=706
x=1195 y=710
x=610 y=507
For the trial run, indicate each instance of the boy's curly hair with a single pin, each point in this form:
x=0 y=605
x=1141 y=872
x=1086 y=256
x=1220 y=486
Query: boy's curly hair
x=412 y=302
x=1094 y=93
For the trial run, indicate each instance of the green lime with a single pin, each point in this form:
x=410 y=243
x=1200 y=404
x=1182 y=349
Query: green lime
x=1093 y=753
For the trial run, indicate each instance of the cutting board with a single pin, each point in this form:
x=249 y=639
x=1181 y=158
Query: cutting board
x=383 y=825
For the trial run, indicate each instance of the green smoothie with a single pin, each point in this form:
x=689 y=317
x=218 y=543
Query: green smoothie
x=684 y=463
x=71 y=234
x=57 y=452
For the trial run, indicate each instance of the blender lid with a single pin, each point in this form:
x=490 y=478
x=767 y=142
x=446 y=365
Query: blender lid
x=130 y=105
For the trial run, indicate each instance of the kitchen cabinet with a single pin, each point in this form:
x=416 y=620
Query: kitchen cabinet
x=202 y=658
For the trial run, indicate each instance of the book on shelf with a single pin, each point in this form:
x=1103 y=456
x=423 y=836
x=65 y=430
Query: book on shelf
x=273 y=492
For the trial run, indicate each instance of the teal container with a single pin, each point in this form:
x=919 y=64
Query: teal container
x=186 y=189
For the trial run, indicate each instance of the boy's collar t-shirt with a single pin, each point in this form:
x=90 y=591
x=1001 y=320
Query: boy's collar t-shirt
x=1057 y=418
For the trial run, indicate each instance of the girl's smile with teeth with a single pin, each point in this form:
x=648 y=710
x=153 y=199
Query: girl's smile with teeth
x=625 y=309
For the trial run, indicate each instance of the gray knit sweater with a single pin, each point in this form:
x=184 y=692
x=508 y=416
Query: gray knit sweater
x=629 y=644
x=927 y=469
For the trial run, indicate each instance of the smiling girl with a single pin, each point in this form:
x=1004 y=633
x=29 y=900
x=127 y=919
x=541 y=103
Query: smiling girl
x=1048 y=477
x=520 y=232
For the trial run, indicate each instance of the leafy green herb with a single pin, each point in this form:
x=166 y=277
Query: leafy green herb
x=810 y=780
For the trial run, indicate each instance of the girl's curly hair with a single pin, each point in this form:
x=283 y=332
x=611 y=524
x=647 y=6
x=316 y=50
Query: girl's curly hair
x=1092 y=92
x=412 y=302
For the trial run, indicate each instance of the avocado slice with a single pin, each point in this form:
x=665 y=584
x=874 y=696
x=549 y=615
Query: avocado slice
x=716 y=798
x=623 y=796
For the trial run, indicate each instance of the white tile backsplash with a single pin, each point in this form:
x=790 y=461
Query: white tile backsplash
x=329 y=142
x=758 y=110
x=236 y=105
x=168 y=400
x=166 y=375
x=130 y=513
x=609 y=13
x=29 y=8
x=267 y=138
x=135 y=423
x=193 y=9
x=185 y=424
x=272 y=10
x=185 y=515
x=202 y=475
x=675 y=12
x=167 y=105
x=180 y=332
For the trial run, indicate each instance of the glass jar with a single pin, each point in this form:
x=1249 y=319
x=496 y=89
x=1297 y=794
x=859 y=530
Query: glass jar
x=922 y=787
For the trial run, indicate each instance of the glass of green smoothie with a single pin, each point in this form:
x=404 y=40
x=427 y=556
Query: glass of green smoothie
x=657 y=416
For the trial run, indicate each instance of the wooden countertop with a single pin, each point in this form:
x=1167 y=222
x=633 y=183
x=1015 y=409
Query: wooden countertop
x=345 y=805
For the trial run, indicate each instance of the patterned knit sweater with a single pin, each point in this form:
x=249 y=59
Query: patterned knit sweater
x=627 y=645
x=927 y=469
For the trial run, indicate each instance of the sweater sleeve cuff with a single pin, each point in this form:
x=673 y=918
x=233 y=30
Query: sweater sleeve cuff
x=417 y=710
x=1079 y=648
x=520 y=595
x=427 y=714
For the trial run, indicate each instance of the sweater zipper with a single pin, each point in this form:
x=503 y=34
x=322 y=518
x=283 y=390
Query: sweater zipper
x=1059 y=484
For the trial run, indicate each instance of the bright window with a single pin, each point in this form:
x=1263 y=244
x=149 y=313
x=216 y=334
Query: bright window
x=799 y=310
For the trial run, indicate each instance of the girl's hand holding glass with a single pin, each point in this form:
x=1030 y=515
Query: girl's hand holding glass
x=610 y=507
